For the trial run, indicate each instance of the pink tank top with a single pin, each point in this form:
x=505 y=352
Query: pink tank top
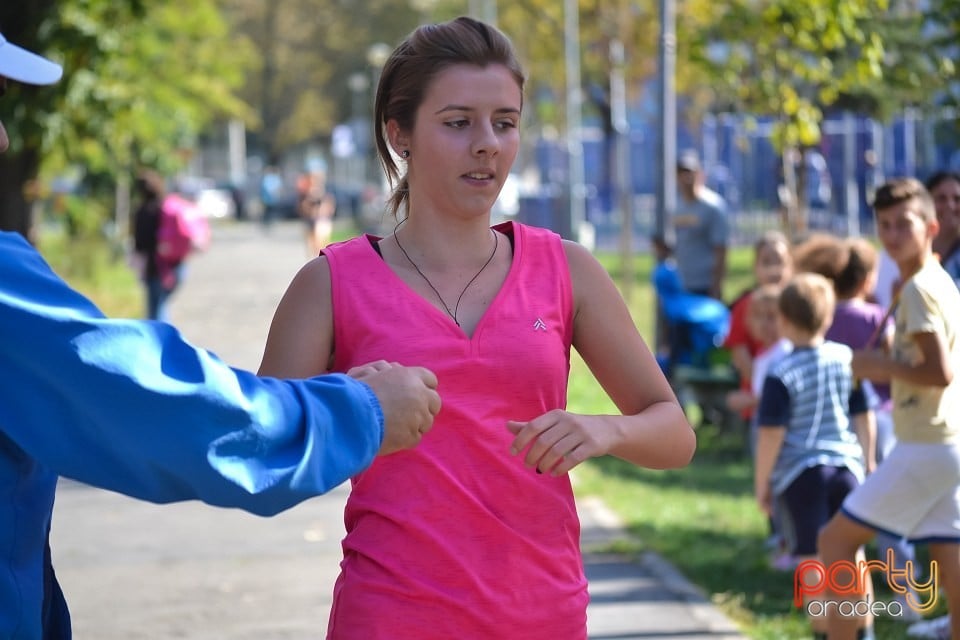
x=457 y=538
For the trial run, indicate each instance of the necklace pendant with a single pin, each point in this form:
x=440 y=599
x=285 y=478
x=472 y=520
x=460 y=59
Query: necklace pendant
x=456 y=309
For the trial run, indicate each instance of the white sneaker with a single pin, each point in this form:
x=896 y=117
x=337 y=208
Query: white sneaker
x=774 y=542
x=935 y=629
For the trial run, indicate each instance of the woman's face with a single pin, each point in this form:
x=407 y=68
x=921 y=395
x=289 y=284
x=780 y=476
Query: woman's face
x=762 y=321
x=464 y=140
x=773 y=264
x=946 y=200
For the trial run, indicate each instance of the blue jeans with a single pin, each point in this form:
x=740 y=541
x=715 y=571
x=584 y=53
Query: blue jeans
x=158 y=296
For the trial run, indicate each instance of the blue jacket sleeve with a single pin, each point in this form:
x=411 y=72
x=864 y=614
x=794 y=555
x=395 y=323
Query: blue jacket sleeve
x=130 y=406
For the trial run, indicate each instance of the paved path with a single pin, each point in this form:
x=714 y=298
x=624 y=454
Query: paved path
x=133 y=570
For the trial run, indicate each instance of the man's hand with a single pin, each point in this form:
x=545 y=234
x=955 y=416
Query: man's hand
x=408 y=398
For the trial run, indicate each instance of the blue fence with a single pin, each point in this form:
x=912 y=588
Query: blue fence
x=740 y=163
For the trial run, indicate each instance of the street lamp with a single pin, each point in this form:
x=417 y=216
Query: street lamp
x=425 y=7
x=576 y=178
x=667 y=116
x=358 y=83
x=377 y=55
x=485 y=10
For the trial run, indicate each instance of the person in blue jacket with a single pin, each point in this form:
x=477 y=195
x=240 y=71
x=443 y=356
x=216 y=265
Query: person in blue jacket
x=130 y=406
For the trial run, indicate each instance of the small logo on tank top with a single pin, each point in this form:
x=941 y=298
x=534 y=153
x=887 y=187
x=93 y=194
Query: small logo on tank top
x=539 y=325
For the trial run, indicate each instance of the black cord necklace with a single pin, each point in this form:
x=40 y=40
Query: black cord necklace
x=456 y=308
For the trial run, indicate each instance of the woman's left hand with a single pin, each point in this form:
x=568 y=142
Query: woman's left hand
x=558 y=441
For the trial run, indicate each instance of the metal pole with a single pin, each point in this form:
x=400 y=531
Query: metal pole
x=666 y=167
x=571 y=10
x=909 y=142
x=237 y=150
x=377 y=54
x=851 y=190
x=359 y=83
x=880 y=155
x=121 y=232
x=485 y=10
x=490 y=12
x=624 y=190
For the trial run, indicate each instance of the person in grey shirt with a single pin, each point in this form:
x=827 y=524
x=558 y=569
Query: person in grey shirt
x=701 y=231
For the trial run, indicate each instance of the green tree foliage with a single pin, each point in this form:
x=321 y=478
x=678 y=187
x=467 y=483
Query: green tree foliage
x=162 y=78
x=789 y=59
x=306 y=51
x=942 y=29
x=796 y=60
x=141 y=80
x=908 y=70
x=536 y=28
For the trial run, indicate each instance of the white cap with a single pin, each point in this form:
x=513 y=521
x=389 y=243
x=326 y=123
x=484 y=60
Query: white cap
x=23 y=66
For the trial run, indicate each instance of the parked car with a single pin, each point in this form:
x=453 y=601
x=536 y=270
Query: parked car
x=214 y=200
x=216 y=203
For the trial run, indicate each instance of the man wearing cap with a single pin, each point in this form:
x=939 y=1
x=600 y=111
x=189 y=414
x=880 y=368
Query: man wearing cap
x=23 y=66
x=129 y=406
x=701 y=230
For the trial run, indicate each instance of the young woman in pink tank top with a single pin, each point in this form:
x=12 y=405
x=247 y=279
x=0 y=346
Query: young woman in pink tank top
x=474 y=532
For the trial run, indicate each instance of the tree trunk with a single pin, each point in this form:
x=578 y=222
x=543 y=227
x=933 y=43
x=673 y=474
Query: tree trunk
x=788 y=195
x=793 y=199
x=268 y=82
x=20 y=22
x=17 y=171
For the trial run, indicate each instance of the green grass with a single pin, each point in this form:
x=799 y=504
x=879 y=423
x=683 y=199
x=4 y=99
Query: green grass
x=97 y=270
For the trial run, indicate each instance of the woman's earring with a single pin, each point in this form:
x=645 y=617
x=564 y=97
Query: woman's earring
x=405 y=154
